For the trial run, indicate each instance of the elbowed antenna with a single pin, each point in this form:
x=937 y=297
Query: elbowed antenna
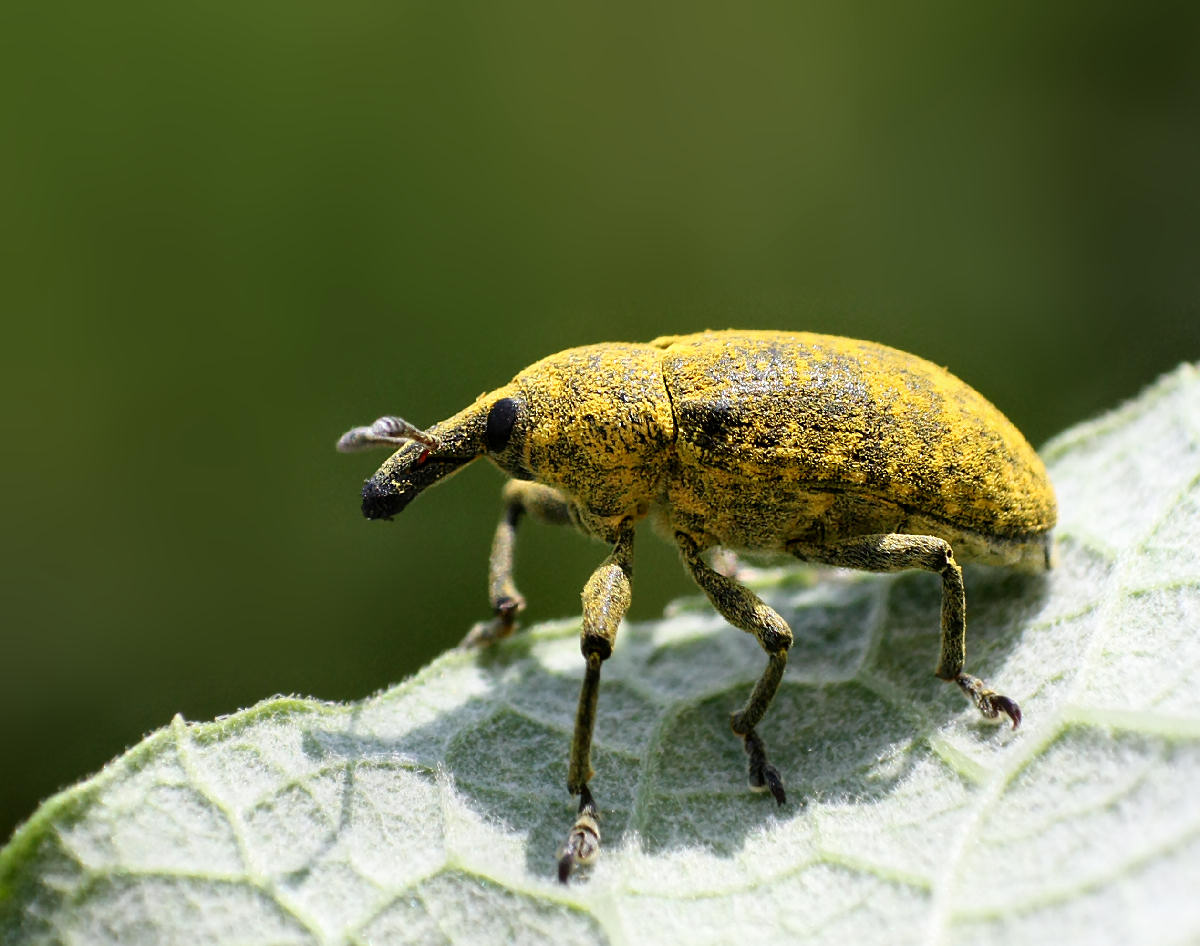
x=385 y=432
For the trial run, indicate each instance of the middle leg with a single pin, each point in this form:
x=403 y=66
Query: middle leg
x=742 y=608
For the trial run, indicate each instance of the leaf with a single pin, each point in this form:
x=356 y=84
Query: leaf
x=432 y=812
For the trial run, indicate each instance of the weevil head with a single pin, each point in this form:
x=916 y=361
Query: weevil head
x=594 y=423
x=417 y=465
x=444 y=449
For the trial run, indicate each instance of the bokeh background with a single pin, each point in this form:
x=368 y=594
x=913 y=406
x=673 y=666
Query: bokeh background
x=233 y=231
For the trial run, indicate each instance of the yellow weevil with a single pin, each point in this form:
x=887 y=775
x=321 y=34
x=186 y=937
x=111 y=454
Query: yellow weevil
x=824 y=448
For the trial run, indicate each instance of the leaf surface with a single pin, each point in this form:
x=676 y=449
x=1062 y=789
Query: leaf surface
x=432 y=812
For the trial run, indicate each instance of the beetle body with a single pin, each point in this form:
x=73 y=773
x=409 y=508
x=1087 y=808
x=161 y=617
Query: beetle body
x=798 y=436
x=751 y=439
x=820 y=447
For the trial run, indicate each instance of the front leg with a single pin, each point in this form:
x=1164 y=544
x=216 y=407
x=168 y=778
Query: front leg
x=520 y=497
x=606 y=598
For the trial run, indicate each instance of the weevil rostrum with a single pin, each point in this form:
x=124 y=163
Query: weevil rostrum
x=823 y=448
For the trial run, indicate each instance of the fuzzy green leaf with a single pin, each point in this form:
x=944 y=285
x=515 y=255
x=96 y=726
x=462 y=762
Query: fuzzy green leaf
x=432 y=813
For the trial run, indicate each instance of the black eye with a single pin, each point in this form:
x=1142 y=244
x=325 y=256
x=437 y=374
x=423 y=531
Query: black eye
x=500 y=422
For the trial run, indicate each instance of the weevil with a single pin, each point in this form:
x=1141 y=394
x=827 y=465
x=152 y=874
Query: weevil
x=826 y=449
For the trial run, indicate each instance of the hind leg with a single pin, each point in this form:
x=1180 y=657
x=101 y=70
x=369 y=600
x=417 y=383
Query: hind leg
x=897 y=552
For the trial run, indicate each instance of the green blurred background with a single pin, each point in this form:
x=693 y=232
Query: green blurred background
x=233 y=231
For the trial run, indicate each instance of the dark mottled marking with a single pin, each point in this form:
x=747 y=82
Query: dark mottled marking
x=710 y=423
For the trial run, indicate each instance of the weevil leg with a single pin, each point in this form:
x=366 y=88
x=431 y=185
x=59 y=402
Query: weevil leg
x=896 y=552
x=606 y=598
x=742 y=608
x=583 y=840
x=520 y=497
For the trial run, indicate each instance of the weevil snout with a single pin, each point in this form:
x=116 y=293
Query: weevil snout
x=422 y=459
x=381 y=499
x=401 y=480
x=411 y=470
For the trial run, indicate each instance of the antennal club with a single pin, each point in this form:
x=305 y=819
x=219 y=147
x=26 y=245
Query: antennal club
x=385 y=432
